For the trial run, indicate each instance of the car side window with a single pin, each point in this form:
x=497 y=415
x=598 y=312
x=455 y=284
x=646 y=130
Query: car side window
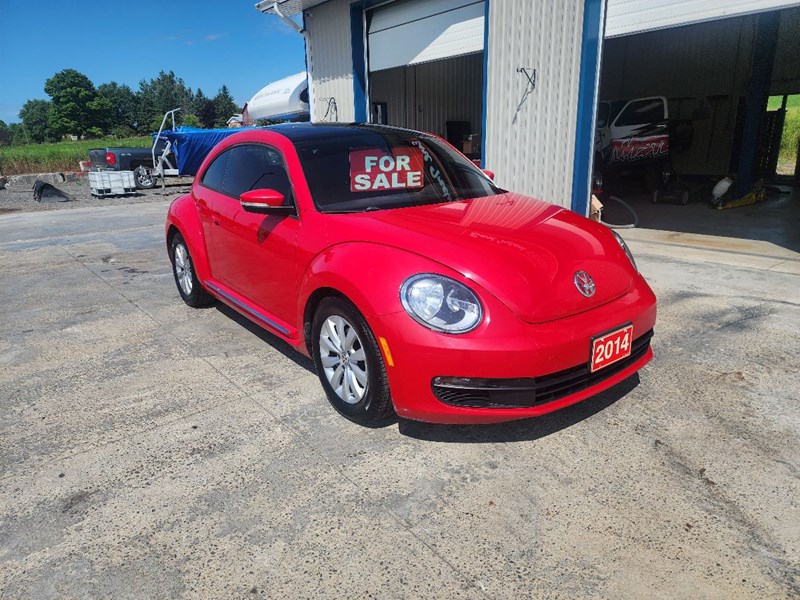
x=254 y=167
x=249 y=167
x=215 y=173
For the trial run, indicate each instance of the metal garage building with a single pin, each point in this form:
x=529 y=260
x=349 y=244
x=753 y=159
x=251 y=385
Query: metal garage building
x=515 y=83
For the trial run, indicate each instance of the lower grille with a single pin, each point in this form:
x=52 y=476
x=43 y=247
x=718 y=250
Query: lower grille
x=531 y=391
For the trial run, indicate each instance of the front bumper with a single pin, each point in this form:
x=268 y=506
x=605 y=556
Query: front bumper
x=532 y=369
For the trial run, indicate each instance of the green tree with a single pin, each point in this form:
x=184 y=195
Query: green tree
x=76 y=105
x=203 y=107
x=159 y=95
x=18 y=137
x=224 y=107
x=207 y=114
x=35 y=115
x=5 y=134
x=123 y=106
x=191 y=120
x=198 y=101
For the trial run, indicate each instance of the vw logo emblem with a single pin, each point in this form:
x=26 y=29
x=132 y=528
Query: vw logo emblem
x=584 y=282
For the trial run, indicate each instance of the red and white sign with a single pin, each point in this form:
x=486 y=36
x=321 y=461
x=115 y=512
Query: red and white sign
x=374 y=170
x=611 y=347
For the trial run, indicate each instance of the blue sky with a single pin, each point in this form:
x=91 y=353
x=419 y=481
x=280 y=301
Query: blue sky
x=205 y=42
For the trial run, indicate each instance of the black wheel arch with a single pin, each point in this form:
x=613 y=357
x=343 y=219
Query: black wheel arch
x=312 y=303
x=171 y=234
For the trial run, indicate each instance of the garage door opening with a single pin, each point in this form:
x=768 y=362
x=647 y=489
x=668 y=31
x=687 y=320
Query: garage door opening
x=442 y=97
x=426 y=64
x=681 y=108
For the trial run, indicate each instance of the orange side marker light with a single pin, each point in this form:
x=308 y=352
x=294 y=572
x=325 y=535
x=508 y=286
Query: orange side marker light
x=386 y=352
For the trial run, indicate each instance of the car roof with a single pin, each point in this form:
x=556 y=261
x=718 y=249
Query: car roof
x=304 y=132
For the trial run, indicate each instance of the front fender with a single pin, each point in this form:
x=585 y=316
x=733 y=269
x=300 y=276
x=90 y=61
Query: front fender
x=183 y=215
x=368 y=273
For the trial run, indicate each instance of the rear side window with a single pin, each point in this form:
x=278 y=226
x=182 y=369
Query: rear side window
x=248 y=167
x=215 y=174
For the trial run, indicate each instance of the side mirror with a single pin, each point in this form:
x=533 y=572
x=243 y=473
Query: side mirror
x=265 y=202
x=488 y=173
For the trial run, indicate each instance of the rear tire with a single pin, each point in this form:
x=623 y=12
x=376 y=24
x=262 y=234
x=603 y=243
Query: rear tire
x=189 y=286
x=349 y=363
x=144 y=177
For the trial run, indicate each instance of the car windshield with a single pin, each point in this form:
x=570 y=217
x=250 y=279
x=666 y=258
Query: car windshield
x=375 y=170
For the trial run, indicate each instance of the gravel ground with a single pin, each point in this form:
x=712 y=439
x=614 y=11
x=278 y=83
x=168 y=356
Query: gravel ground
x=150 y=450
x=18 y=197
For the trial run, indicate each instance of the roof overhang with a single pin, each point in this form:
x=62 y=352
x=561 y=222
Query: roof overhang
x=285 y=7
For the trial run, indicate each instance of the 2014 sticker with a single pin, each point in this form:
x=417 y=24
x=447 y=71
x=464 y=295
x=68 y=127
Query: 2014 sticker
x=375 y=170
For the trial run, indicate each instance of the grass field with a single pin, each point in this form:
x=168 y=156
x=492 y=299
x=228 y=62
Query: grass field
x=62 y=156
x=791 y=132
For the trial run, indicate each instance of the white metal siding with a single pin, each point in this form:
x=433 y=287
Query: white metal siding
x=532 y=150
x=633 y=16
x=330 y=62
x=416 y=31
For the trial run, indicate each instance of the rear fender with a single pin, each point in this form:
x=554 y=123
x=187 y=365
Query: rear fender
x=183 y=215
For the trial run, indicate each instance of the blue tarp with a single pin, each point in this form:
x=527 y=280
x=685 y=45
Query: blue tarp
x=192 y=145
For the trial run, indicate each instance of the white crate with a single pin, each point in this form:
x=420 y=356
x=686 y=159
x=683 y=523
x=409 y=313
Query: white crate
x=112 y=183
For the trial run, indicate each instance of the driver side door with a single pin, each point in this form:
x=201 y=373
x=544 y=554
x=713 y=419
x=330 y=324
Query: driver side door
x=252 y=255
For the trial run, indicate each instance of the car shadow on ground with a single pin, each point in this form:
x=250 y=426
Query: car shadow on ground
x=266 y=337
x=513 y=431
x=520 y=431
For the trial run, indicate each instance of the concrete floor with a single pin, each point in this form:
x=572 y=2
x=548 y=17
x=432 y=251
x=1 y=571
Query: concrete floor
x=776 y=220
x=148 y=450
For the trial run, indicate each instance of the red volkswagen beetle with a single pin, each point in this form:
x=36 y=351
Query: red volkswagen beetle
x=415 y=284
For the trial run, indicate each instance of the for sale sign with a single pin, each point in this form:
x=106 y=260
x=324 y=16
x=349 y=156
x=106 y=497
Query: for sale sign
x=375 y=170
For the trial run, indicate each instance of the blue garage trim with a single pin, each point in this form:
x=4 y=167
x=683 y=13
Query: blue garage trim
x=485 y=81
x=359 y=61
x=763 y=57
x=593 y=25
x=358 y=44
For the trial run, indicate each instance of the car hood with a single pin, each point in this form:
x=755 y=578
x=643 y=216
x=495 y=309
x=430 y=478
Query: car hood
x=523 y=251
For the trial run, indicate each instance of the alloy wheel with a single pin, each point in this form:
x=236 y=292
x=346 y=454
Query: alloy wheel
x=343 y=359
x=183 y=269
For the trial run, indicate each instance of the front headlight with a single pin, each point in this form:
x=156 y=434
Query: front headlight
x=626 y=249
x=441 y=303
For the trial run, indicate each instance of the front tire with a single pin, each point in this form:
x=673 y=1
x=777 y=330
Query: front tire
x=349 y=364
x=189 y=286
